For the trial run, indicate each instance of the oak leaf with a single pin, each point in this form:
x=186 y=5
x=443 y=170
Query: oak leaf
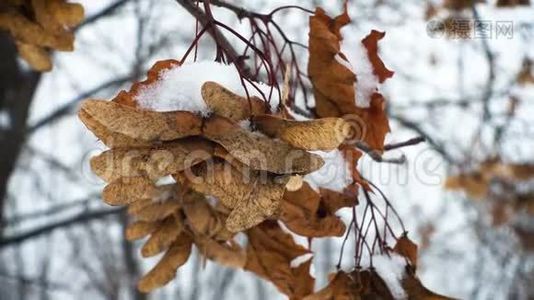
x=306 y=213
x=405 y=247
x=333 y=82
x=341 y=287
x=334 y=88
x=370 y=43
x=270 y=252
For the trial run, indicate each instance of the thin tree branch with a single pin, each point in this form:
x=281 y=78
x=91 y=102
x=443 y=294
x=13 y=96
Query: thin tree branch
x=103 y=13
x=49 y=228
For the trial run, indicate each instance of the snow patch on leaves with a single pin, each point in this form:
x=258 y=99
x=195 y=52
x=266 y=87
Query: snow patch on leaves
x=391 y=269
x=366 y=81
x=179 y=88
x=334 y=175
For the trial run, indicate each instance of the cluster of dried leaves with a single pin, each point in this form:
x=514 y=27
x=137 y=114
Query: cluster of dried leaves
x=37 y=26
x=255 y=178
x=232 y=179
x=499 y=184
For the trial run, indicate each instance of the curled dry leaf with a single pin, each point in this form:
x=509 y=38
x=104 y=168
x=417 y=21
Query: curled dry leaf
x=405 y=247
x=269 y=255
x=341 y=287
x=128 y=97
x=370 y=43
x=376 y=120
x=142 y=124
x=333 y=83
x=165 y=269
x=252 y=198
x=364 y=284
x=334 y=89
x=154 y=162
x=334 y=201
x=258 y=151
x=224 y=103
x=305 y=213
x=163 y=236
x=319 y=134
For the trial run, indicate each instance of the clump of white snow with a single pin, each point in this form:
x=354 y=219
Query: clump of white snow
x=179 y=88
x=391 y=269
x=335 y=174
x=359 y=64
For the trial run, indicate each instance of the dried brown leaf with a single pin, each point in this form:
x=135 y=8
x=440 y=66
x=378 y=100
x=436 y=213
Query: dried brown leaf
x=407 y=248
x=269 y=255
x=305 y=213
